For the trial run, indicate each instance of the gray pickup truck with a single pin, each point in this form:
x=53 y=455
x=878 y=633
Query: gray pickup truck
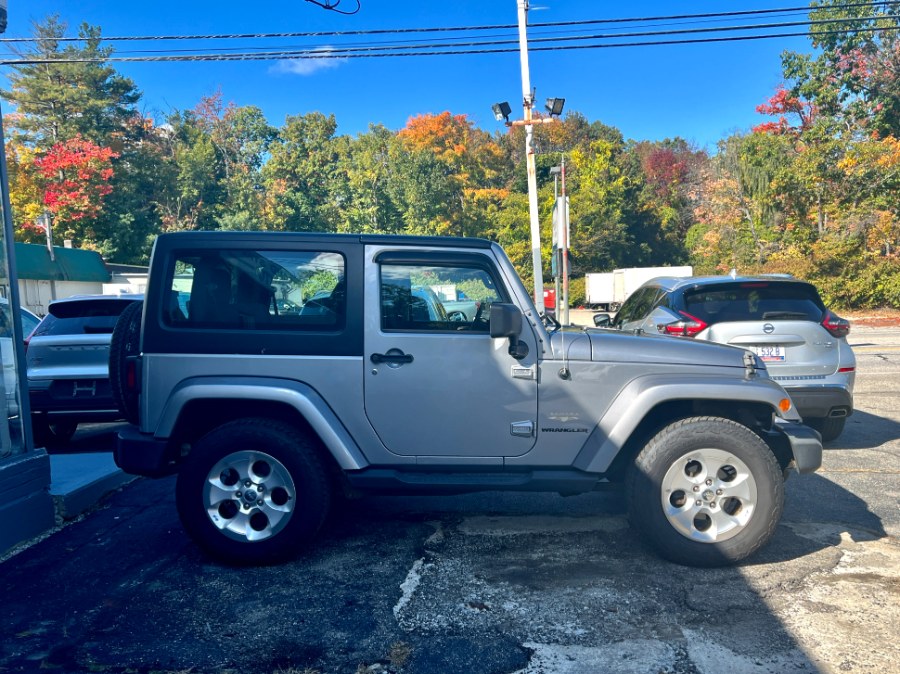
x=267 y=415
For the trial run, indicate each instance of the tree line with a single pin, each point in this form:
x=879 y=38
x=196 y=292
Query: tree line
x=812 y=190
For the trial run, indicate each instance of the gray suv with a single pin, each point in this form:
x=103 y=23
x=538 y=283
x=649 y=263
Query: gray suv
x=780 y=319
x=67 y=358
x=369 y=385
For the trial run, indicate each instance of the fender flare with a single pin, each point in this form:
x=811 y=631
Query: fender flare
x=297 y=395
x=642 y=394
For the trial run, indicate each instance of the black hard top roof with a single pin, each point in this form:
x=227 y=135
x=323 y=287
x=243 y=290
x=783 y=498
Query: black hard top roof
x=274 y=238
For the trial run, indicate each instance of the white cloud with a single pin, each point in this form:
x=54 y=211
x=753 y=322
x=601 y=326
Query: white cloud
x=308 y=65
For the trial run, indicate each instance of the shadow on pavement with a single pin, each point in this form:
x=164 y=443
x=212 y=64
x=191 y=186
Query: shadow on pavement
x=482 y=582
x=865 y=431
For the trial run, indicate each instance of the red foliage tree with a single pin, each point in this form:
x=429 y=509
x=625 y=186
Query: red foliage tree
x=782 y=104
x=76 y=174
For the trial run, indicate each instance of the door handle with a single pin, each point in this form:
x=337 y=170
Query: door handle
x=397 y=358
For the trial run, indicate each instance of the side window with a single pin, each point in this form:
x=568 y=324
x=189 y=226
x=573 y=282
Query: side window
x=629 y=310
x=257 y=290
x=436 y=298
x=660 y=299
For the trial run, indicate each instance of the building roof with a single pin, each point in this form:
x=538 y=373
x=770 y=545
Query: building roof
x=71 y=264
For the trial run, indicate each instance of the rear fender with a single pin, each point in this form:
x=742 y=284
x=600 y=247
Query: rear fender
x=296 y=395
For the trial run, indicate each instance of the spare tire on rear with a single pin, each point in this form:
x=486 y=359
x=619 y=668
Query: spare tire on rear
x=125 y=342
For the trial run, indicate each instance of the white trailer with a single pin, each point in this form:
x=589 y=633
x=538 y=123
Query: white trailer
x=626 y=281
x=598 y=291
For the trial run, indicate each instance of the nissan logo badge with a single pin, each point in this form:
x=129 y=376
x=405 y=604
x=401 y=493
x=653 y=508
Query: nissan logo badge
x=768 y=328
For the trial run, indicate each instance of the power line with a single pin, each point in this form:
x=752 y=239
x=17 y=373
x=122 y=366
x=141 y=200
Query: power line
x=387 y=31
x=315 y=51
x=312 y=54
x=457 y=48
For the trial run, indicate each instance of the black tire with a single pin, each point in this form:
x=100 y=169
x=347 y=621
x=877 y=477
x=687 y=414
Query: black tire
x=829 y=427
x=125 y=342
x=706 y=491
x=51 y=434
x=287 y=499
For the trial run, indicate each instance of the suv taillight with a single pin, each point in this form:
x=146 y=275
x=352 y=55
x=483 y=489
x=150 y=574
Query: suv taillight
x=836 y=326
x=689 y=326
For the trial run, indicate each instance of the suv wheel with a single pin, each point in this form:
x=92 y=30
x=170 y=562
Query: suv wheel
x=252 y=491
x=51 y=434
x=706 y=491
x=829 y=427
x=125 y=342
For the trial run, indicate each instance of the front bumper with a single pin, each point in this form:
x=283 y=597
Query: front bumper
x=806 y=445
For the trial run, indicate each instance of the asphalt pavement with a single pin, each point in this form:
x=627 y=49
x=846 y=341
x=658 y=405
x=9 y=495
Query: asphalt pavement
x=483 y=583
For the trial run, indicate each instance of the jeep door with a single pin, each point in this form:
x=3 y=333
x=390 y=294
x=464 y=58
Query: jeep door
x=436 y=384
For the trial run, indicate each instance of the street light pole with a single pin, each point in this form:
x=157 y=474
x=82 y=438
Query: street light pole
x=528 y=104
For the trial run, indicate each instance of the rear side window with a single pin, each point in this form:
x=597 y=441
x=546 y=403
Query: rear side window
x=753 y=301
x=82 y=318
x=258 y=290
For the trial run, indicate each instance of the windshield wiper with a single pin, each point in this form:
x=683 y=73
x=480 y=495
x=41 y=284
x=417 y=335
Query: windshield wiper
x=784 y=314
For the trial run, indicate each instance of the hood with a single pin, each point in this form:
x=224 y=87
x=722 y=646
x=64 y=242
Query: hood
x=602 y=345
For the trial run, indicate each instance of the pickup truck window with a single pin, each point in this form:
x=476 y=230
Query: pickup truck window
x=436 y=298
x=258 y=290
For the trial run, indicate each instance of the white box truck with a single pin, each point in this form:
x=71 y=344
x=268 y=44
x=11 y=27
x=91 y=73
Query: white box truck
x=598 y=291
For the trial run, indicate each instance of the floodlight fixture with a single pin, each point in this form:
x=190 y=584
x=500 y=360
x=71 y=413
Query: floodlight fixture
x=502 y=111
x=555 y=106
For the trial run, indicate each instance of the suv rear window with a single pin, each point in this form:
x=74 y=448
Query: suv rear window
x=258 y=290
x=753 y=301
x=93 y=316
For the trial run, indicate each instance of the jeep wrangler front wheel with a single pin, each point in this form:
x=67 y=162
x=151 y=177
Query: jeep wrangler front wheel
x=706 y=491
x=252 y=491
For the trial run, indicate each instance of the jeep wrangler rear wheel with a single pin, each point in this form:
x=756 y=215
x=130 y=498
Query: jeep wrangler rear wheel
x=252 y=491
x=706 y=491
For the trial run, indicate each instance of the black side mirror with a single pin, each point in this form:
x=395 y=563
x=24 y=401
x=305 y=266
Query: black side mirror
x=506 y=321
x=602 y=320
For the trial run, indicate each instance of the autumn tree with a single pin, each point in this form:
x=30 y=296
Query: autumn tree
x=76 y=175
x=300 y=175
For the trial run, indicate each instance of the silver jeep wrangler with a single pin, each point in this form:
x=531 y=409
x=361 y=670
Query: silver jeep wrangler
x=274 y=370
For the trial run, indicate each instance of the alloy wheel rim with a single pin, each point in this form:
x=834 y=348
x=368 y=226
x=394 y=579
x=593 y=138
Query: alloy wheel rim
x=249 y=496
x=709 y=495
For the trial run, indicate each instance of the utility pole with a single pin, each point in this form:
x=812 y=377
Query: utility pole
x=528 y=104
x=564 y=238
x=48 y=230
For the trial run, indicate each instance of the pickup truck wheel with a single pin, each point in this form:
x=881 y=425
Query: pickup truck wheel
x=706 y=491
x=252 y=491
x=125 y=342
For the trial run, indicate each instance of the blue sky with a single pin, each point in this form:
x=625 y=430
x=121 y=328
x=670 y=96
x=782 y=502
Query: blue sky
x=698 y=92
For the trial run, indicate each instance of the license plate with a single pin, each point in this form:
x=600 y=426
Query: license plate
x=770 y=352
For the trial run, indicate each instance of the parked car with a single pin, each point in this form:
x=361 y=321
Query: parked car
x=67 y=360
x=29 y=323
x=780 y=319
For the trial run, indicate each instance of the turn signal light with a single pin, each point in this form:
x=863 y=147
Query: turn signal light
x=784 y=404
